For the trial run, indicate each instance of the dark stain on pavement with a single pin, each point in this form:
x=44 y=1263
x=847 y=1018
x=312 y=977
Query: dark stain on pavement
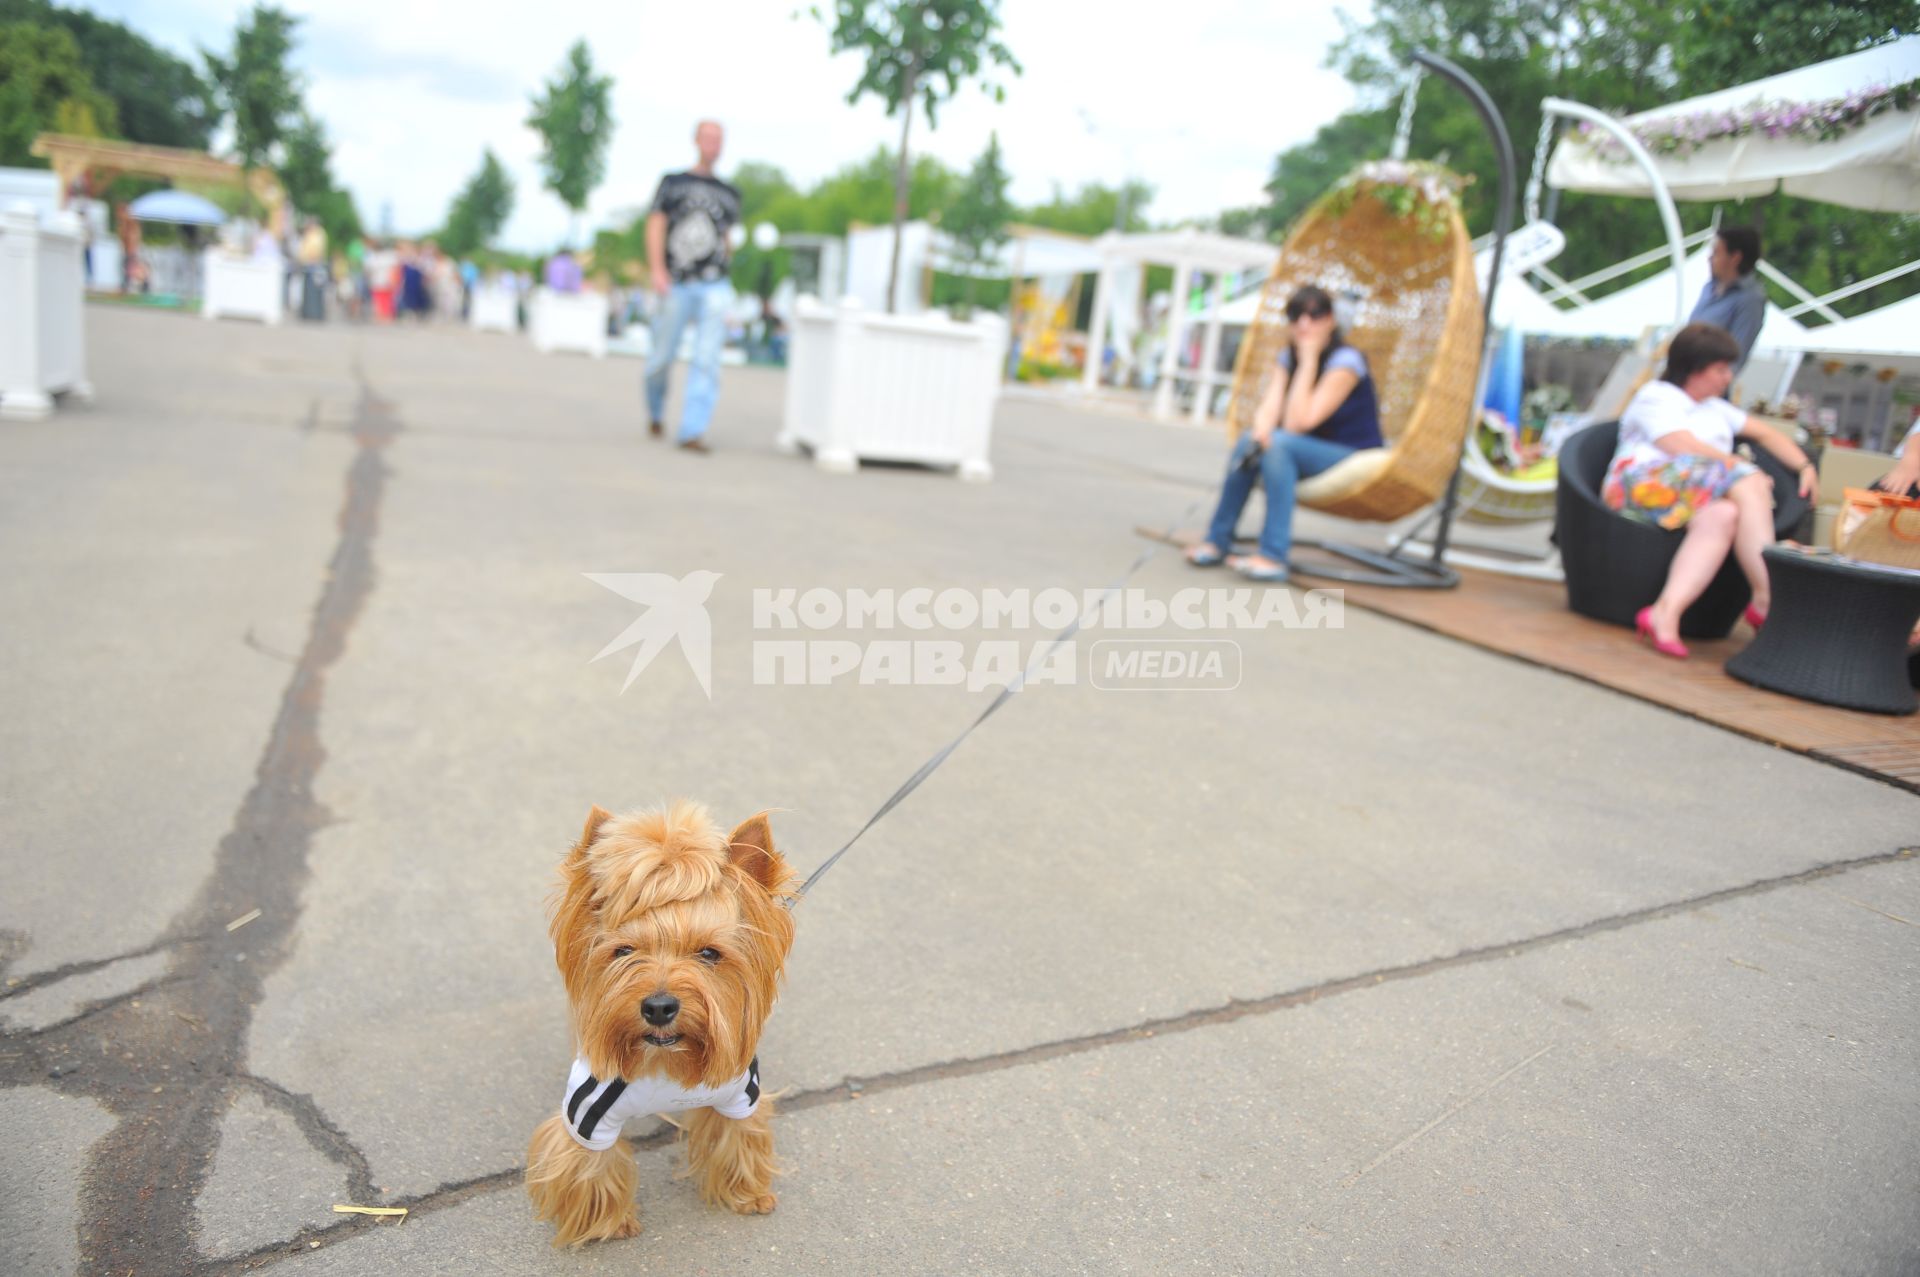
x=168 y=1059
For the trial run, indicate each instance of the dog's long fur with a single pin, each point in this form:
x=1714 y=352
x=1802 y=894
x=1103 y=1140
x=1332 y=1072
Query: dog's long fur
x=665 y=885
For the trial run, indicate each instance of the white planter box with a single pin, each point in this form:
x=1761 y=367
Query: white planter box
x=109 y=266
x=867 y=386
x=568 y=321
x=242 y=287
x=494 y=309
x=43 y=346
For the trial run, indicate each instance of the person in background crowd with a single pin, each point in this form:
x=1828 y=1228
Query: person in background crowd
x=132 y=269
x=469 y=280
x=1734 y=298
x=413 y=282
x=311 y=253
x=353 y=290
x=443 y=278
x=563 y=273
x=383 y=280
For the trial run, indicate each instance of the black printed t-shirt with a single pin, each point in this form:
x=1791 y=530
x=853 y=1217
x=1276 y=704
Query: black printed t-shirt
x=700 y=211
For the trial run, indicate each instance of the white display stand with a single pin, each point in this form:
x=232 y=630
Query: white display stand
x=494 y=309
x=242 y=287
x=867 y=386
x=43 y=347
x=568 y=321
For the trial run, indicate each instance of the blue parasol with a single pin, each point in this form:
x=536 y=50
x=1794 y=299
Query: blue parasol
x=181 y=207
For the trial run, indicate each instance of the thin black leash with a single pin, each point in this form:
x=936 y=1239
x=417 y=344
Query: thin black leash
x=932 y=764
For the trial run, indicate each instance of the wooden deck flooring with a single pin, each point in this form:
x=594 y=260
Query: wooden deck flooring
x=1529 y=620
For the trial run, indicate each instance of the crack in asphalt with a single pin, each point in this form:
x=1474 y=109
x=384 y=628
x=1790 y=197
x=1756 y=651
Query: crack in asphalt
x=850 y=1089
x=21 y=986
x=326 y=1138
x=168 y=1063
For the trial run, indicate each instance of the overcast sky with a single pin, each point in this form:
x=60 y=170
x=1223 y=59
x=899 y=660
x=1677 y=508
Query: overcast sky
x=1195 y=97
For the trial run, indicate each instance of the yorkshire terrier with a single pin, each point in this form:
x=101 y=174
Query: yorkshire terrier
x=672 y=940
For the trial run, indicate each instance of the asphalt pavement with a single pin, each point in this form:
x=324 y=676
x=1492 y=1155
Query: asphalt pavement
x=1395 y=956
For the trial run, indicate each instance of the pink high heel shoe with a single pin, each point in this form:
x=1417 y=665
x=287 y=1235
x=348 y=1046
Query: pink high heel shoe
x=1754 y=616
x=1643 y=626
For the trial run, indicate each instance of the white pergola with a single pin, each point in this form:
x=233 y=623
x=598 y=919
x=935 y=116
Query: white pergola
x=1187 y=252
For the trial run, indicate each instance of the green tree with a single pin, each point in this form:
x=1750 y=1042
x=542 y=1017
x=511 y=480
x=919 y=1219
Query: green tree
x=865 y=193
x=1093 y=209
x=157 y=97
x=254 y=84
x=1821 y=245
x=917 y=50
x=306 y=165
x=480 y=209
x=575 y=121
x=42 y=82
x=306 y=172
x=1619 y=55
x=767 y=196
x=1729 y=42
x=977 y=220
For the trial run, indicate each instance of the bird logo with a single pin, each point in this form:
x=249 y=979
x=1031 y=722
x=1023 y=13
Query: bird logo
x=675 y=608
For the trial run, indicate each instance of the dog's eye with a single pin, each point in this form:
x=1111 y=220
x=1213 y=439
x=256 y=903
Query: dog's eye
x=709 y=956
x=624 y=951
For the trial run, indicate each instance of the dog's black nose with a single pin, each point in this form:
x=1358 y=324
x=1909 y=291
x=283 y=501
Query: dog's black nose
x=659 y=1009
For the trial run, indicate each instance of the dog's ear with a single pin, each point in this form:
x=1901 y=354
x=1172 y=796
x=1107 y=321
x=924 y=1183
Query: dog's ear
x=595 y=818
x=571 y=910
x=750 y=846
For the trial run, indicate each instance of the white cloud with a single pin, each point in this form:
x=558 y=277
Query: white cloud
x=1195 y=99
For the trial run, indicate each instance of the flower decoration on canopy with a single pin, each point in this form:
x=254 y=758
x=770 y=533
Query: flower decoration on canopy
x=1823 y=121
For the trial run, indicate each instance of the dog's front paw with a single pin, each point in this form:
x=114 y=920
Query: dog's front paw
x=762 y=1204
x=628 y=1227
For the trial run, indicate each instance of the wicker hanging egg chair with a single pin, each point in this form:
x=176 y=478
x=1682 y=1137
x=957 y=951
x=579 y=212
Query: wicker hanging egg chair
x=1389 y=244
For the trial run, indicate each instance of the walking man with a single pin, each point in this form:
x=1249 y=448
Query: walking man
x=688 y=250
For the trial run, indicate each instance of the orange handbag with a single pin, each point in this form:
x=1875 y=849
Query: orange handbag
x=1878 y=527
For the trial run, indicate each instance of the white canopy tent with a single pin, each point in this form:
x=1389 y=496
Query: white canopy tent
x=1891 y=330
x=1630 y=311
x=1875 y=166
x=1518 y=304
x=1186 y=251
x=1029 y=254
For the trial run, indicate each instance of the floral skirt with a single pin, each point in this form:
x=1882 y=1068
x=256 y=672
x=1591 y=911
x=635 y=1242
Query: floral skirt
x=1669 y=491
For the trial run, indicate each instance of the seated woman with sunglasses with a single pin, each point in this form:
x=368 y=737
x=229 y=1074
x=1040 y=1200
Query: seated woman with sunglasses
x=1319 y=408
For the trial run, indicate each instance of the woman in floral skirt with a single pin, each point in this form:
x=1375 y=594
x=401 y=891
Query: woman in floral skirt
x=1675 y=467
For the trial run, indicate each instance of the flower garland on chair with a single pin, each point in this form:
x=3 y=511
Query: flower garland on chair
x=1423 y=192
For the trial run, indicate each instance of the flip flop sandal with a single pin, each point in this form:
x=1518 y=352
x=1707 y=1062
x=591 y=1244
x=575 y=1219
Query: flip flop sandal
x=1268 y=576
x=1213 y=560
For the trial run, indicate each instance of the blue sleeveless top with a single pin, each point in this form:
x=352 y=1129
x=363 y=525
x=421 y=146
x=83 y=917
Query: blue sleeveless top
x=1356 y=422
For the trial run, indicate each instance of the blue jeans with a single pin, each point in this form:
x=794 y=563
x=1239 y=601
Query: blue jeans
x=704 y=305
x=1289 y=458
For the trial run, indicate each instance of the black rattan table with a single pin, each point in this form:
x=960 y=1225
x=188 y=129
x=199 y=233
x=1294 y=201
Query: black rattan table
x=1837 y=632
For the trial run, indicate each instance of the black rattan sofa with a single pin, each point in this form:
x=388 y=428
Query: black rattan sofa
x=1615 y=566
